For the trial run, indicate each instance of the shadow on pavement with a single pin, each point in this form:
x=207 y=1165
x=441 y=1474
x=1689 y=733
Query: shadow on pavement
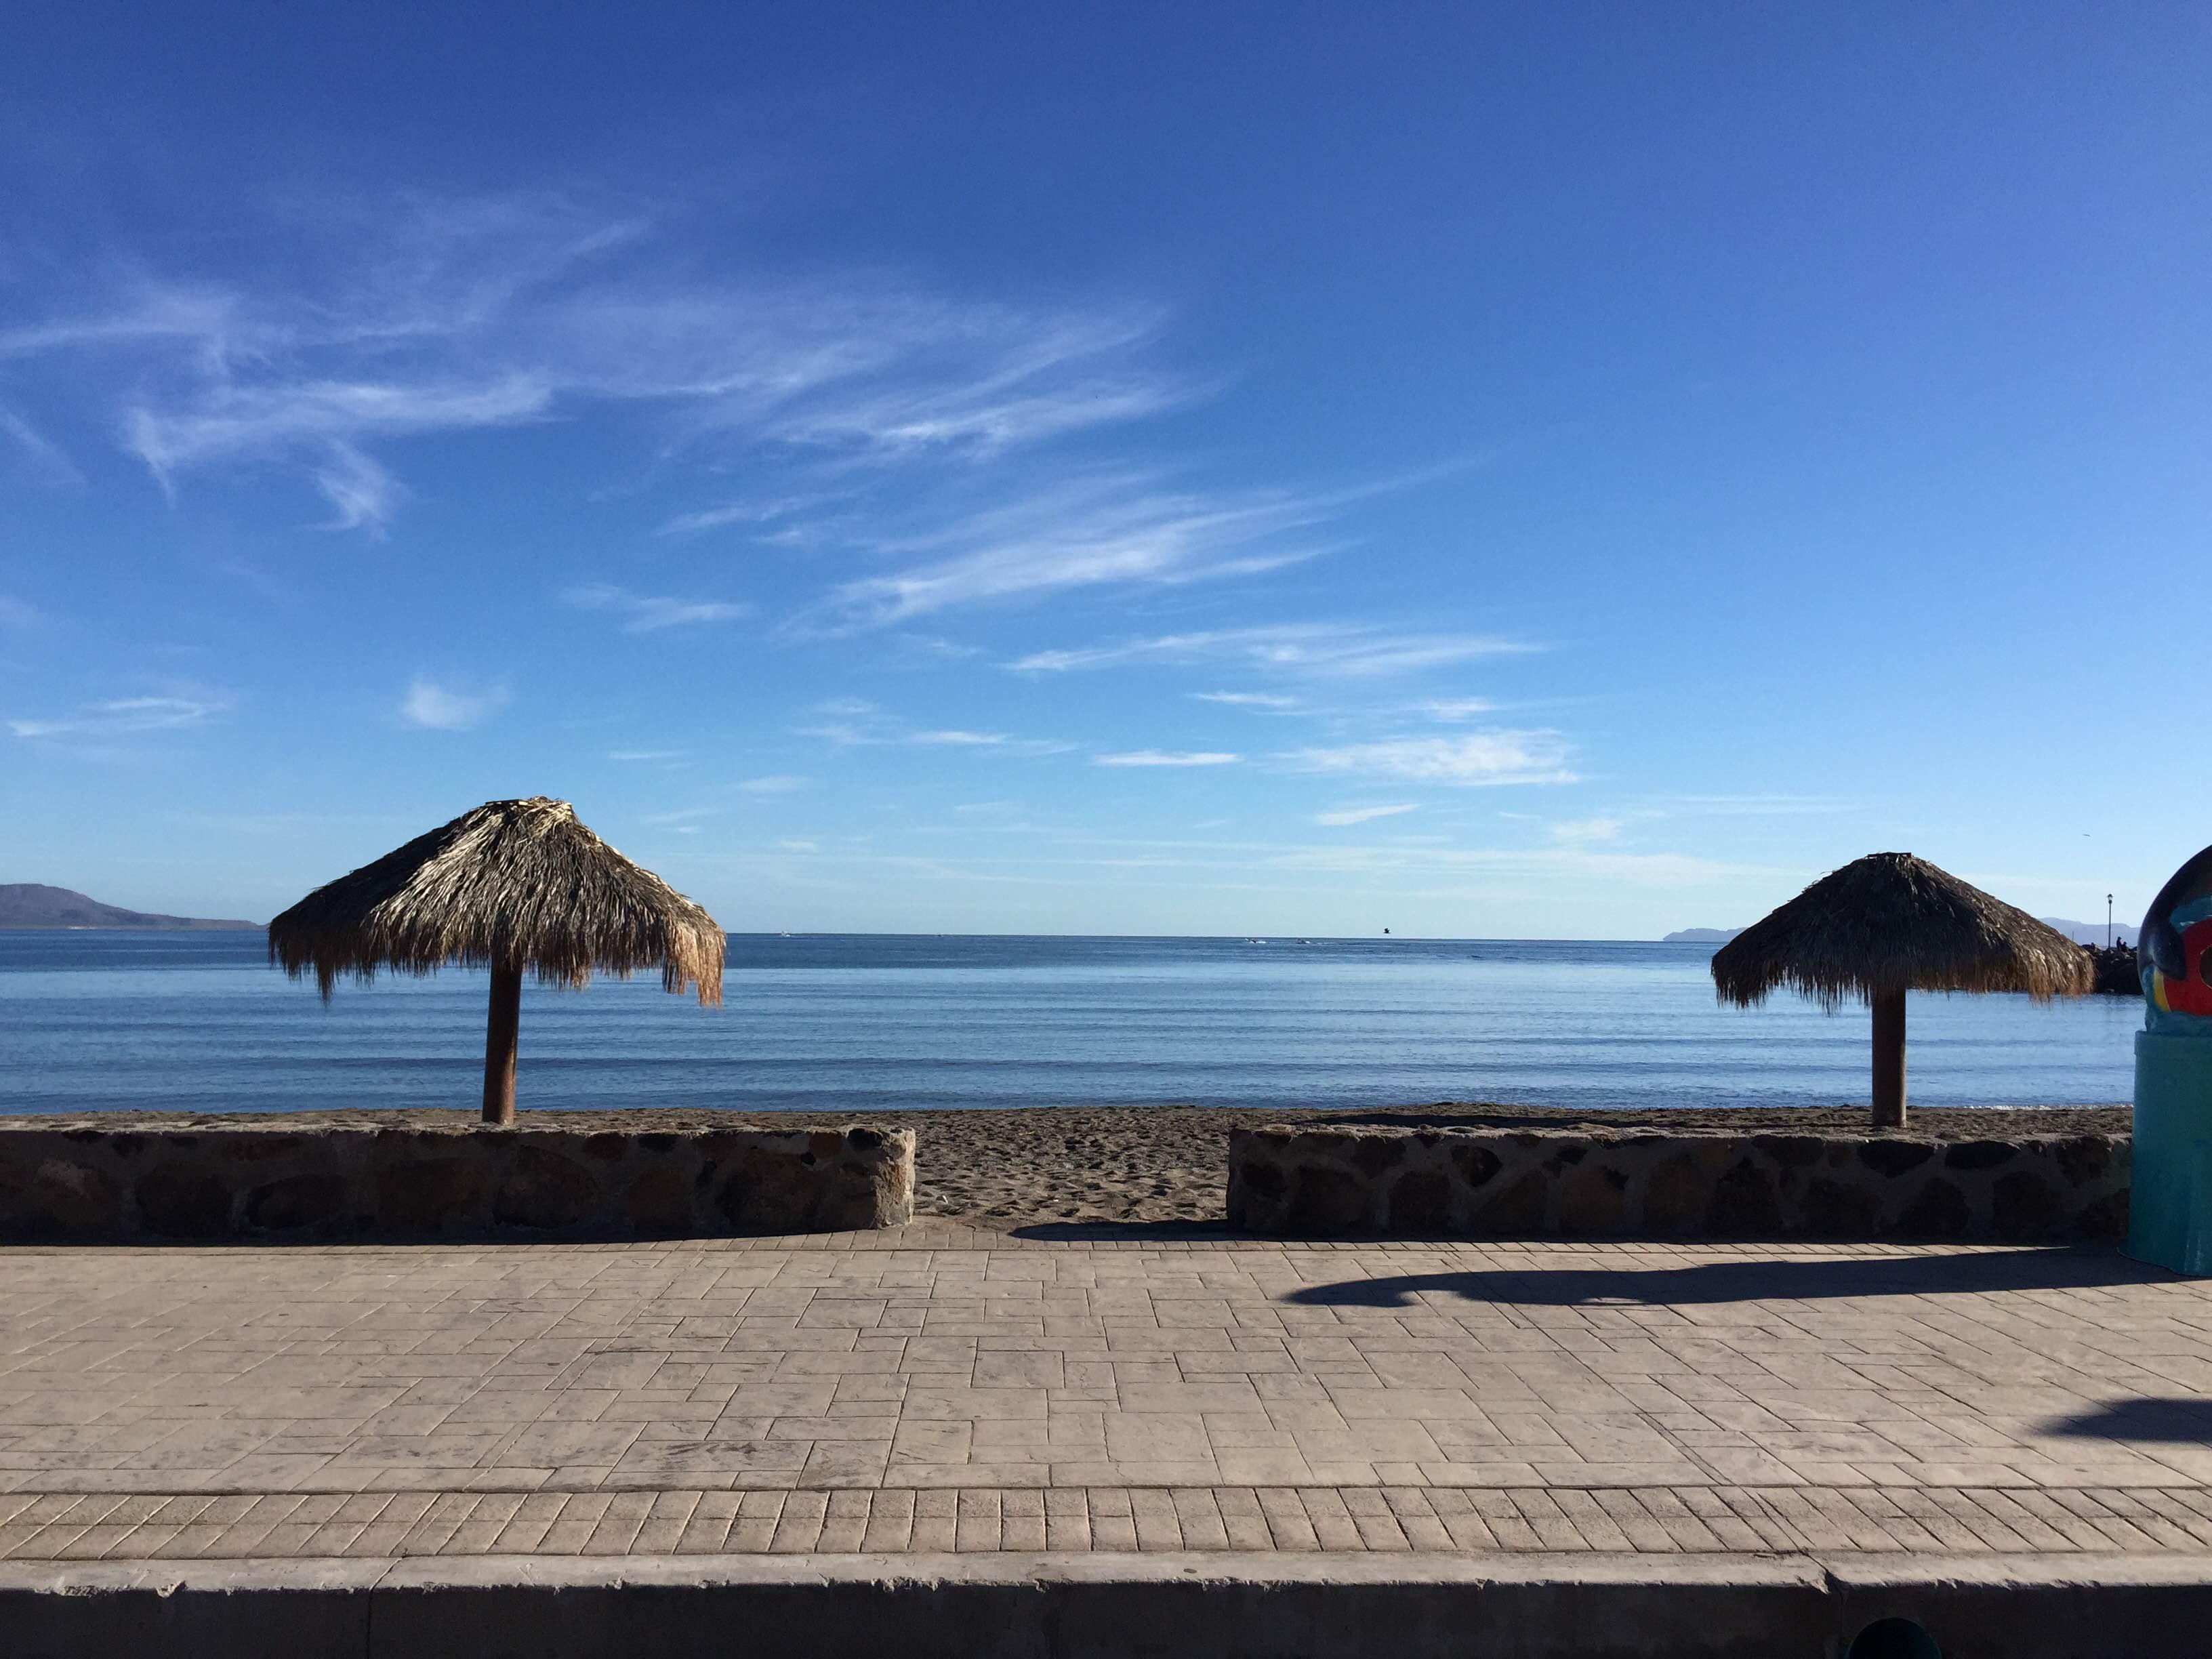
x=2158 y=1420
x=1782 y=1280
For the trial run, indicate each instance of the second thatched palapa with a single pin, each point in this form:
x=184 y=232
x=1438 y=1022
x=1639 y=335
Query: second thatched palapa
x=514 y=885
x=1890 y=923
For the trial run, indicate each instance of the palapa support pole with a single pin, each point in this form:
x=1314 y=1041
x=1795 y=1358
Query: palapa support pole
x=1889 y=1060
x=500 y=1033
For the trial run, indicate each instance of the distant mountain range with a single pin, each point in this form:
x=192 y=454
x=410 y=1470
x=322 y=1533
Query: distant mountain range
x=1701 y=936
x=28 y=904
x=2091 y=933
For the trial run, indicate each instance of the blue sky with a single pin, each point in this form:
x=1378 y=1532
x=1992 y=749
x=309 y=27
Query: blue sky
x=1510 y=471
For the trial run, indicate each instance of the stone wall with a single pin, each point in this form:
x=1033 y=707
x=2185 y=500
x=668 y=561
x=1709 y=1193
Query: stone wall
x=1525 y=1183
x=241 y=1183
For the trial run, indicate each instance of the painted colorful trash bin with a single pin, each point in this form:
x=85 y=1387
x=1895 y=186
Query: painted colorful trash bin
x=2170 y=1205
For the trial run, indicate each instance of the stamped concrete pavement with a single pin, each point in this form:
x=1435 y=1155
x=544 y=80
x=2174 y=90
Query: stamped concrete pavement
x=941 y=1390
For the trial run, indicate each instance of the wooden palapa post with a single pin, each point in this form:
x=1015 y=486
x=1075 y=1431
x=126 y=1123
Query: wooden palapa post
x=1888 y=1060
x=501 y=1031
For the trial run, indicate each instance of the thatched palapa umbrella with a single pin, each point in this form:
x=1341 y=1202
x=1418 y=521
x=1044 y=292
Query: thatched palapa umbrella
x=513 y=884
x=1888 y=924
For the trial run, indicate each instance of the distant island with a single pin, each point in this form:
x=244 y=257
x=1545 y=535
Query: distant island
x=1701 y=936
x=28 y=905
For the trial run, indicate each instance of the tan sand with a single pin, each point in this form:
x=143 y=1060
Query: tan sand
x=1057 y=1164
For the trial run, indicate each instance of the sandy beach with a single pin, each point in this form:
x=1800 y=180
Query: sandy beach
x=1101 y=1163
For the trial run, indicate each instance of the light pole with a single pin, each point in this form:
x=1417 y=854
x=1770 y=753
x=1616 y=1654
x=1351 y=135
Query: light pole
x=2108 y=921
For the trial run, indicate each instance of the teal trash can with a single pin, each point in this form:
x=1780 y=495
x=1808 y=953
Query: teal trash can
x=2170 y=1200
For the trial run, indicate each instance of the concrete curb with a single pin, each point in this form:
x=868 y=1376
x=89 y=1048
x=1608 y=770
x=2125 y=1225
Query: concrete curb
x=1107 y=1606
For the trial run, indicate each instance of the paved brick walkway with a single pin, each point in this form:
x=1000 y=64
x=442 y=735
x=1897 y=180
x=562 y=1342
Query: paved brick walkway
x=1926 y=1521
x=941 y=1390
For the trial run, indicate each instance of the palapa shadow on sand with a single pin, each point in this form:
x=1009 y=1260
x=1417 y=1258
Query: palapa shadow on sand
x=1141 y=1232
x=1786 y=1280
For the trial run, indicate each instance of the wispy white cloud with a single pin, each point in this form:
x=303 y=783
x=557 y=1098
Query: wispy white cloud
x=935 y=647
x=1570 y=870
x=1418 y=868
x=1346 y=815
x=21 y=613
x=418 y=315
x=438 y=708
x=1247 y=699
x=648 y=614
x=1019 y=391
x=362 y=494
x=643 y=755
x=1584 y=832
x=1333 y=650
x=961 y=739
x=1096 y=532
x=45 y=456
x=844 y=734
x=799 y=846
x=120 y=717
x=182 y=312
x=322 y=422
x=1161 y=757
x=776 y=784
x=1450 y=709
x=739 y=513
x=1480 y=758
x=850 y=722
x=856 y=722
x=1616 y=821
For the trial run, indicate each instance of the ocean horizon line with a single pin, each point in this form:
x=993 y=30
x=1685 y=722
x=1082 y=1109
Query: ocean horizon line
x=1279 y=937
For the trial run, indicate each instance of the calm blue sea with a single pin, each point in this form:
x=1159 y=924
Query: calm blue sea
x=200 y=1022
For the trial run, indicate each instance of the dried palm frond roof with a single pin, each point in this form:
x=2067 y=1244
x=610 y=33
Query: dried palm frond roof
x=513 y=884
x=1892 y=922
